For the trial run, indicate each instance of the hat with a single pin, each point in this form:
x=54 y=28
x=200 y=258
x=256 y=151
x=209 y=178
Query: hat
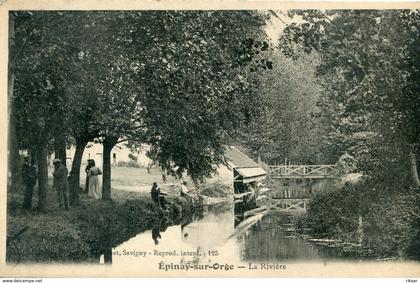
x=56 y=160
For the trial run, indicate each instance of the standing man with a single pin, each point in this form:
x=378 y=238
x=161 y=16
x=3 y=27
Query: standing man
x=29 y=175
x=60 y=183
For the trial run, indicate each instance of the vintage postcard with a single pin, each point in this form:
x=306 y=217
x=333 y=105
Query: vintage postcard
x=210 y=139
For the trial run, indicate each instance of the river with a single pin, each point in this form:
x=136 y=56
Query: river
x=220 y=235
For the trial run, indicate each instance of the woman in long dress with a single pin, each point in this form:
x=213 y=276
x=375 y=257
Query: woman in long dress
x=94 y=189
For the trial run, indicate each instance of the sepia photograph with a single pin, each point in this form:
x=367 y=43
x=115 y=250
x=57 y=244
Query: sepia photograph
x=231 y=142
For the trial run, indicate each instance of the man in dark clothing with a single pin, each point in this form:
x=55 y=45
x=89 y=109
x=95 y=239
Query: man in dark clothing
x=61 y=184
x=29 y=175
x=158 y=196
x=88 y=166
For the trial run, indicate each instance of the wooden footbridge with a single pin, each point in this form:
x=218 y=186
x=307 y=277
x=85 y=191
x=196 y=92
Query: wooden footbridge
x=300 y=171
x=290 y=187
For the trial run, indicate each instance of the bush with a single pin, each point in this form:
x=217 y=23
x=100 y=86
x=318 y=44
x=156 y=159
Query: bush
x=333 y=214
x=392 y=225
x=216 y=189
x=391 y=222
x=130 y=163
x=47 y=239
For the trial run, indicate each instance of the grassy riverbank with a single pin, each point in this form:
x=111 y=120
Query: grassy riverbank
x=83 y=233
x=380 y=222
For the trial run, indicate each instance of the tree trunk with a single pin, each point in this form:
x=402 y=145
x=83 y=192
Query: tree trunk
x=60 y=148
x=42 y=176
x=13 y=150
x=75 y=172
x=414 y=172
x=108 y=144
x=108 y=255
x=13 y=157
x=360 y=234
x=106 y=177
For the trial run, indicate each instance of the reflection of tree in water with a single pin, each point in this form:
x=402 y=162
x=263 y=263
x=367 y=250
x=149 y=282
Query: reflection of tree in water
x=105 y=239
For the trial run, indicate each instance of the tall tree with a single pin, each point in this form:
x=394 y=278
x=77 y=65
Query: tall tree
x=196 y=84
x=288 y=126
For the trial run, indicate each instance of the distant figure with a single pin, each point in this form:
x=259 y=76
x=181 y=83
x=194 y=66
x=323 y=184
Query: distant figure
x=29 y=175
x=88 y=166
x=148 y=168
x=94 y=189
x=61 y=184
x=187 y=193
x=164 y=177
x=184 y=190
x=158 y=196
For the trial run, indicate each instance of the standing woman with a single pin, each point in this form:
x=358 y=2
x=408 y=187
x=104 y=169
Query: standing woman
x=94 y=189
x=88 y=166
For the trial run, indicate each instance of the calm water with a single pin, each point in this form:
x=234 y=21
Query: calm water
x=220 y=235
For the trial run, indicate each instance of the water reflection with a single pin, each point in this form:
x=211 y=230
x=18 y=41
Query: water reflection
x=273 y=239
x=224 y=234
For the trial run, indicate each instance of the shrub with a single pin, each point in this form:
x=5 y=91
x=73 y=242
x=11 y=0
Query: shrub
x=392 y=225
x=391 y=221
x=216 y=189
x=333 y=213
x=47 y=239
x=130 y=163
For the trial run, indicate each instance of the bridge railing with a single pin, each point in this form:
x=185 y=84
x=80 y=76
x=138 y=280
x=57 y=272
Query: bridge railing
x=300 y=171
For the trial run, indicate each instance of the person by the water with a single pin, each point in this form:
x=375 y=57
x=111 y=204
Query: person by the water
x=184 y=189
x=94 y=189
x=158 y=196
x=185 y=192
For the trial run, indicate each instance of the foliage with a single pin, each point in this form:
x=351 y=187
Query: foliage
x=333 y=214
x=214 y=189
x=132 y=157
x=44 y=239
x=288 y=123
x=196 y=86
x=369 y=67
x=88 y=229
x=400 y=209
x=174 y=79
x=131 y=163
x=390 y=221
